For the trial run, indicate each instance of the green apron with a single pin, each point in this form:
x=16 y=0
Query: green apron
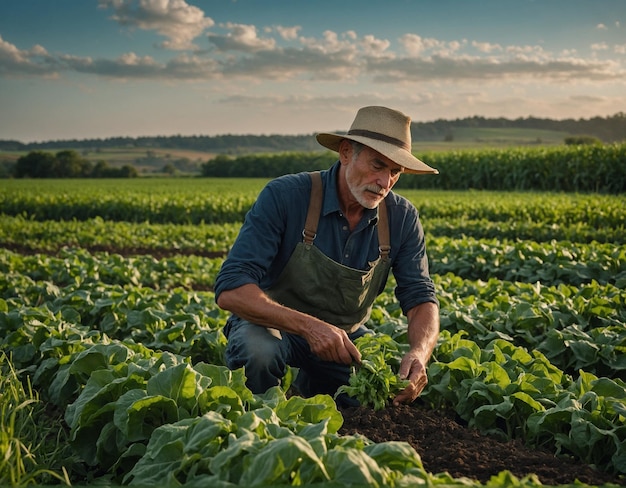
x=315 y=284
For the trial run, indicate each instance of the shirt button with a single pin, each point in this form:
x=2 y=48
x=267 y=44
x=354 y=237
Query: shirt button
x=346 y=255
x=345 y=227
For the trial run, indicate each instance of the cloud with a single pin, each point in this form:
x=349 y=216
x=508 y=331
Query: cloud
x=601 y=46
x=290 y=63
x=587 y=99
x=475 y=68
x=130 y=66
x=332 y=43
x=486 y=47
x=175 y=19
x=126 y=66
x=241 y=38
x=239 y=52
x=35 y=61
x=288 y=33
x=375 y=47
x=416 y=45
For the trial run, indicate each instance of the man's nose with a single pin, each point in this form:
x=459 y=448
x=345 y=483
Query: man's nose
x=385 y=180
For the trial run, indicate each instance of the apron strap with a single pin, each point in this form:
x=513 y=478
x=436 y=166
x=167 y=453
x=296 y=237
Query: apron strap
x=315 y=207
x=384 y=245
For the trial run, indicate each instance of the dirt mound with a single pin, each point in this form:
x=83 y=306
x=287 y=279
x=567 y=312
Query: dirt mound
x=446 y=445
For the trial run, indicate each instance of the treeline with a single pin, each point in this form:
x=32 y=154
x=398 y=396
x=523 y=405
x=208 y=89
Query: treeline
x=221 y=144
x=66 y=164
x=607 y=129
x=266 y=165
x=574 y=168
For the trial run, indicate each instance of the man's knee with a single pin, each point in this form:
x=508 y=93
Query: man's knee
x=259 y=352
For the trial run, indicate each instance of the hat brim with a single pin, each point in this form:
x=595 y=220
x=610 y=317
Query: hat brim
x=397 y=154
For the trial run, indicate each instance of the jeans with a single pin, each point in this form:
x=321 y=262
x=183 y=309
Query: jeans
x=265 y=355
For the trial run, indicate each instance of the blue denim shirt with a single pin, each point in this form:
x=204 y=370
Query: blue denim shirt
x=274 y=225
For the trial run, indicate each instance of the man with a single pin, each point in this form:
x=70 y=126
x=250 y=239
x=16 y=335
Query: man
x=314 y=252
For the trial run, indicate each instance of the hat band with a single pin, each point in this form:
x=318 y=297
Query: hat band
x=380 y=137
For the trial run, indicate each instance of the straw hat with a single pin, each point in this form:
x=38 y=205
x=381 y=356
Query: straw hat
x=384 y=130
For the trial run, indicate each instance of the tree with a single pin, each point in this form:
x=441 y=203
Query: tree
x=67 y=164
x=72 y=165
x=100 y=169
x=36 y=164
x=169 y=169
x=128 y=171
x=582 y=140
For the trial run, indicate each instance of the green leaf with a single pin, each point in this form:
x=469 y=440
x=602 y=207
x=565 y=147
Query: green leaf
x=298 y=411
x=399 y=456
x=280 y=461
x=180 y=383
x=139 y=419
x=607 y=387
x=353 y=467
x=485 y=416
x=223 y=400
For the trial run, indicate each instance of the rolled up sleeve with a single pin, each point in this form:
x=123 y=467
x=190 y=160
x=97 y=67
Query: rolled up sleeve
x=267 y=236
x=410 y=265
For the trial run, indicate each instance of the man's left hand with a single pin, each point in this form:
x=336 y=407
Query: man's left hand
x=413 y=369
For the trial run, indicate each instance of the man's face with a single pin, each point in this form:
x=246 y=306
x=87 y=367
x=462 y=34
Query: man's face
x=370 y=176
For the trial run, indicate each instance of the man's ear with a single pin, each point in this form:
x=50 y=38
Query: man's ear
x=345 y=151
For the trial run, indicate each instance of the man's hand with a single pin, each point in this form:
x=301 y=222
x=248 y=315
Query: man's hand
x=328 y=342
x=413 y=369
x=331 y=343
x=423 y=333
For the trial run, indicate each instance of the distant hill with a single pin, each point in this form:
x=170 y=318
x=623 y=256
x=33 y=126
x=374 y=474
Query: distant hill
x=470 y=129
x=607 y=129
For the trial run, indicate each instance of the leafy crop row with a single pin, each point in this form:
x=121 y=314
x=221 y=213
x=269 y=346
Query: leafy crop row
x=174 y=205
x=580 y=168
x=547 y=262
x=550 y=263
x=191 y=201
x=591 y=168
x=526 y=230
x=52 y=235
x=79 y=266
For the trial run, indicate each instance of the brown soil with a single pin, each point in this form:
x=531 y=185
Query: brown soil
x=446 y=445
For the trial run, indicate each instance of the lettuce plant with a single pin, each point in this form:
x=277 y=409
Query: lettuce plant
x=375 y=381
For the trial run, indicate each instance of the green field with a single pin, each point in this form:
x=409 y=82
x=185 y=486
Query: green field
x=111 y=345
x=151 y=160
x=146 y=160
x=493 y=138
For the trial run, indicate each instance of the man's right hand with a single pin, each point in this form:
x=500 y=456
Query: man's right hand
x=331 y=343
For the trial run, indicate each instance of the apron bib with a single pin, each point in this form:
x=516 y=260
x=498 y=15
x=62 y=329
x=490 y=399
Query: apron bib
x=316 y=285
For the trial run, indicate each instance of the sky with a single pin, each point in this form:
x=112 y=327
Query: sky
x=78 y=69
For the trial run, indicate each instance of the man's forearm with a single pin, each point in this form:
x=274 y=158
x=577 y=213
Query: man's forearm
x=250 y=303
x=423 y=329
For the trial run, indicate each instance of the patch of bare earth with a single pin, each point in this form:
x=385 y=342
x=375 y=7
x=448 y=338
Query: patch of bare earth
x=446 y=445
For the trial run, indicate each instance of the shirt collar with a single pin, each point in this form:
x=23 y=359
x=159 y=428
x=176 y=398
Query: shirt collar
x=331 y=197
